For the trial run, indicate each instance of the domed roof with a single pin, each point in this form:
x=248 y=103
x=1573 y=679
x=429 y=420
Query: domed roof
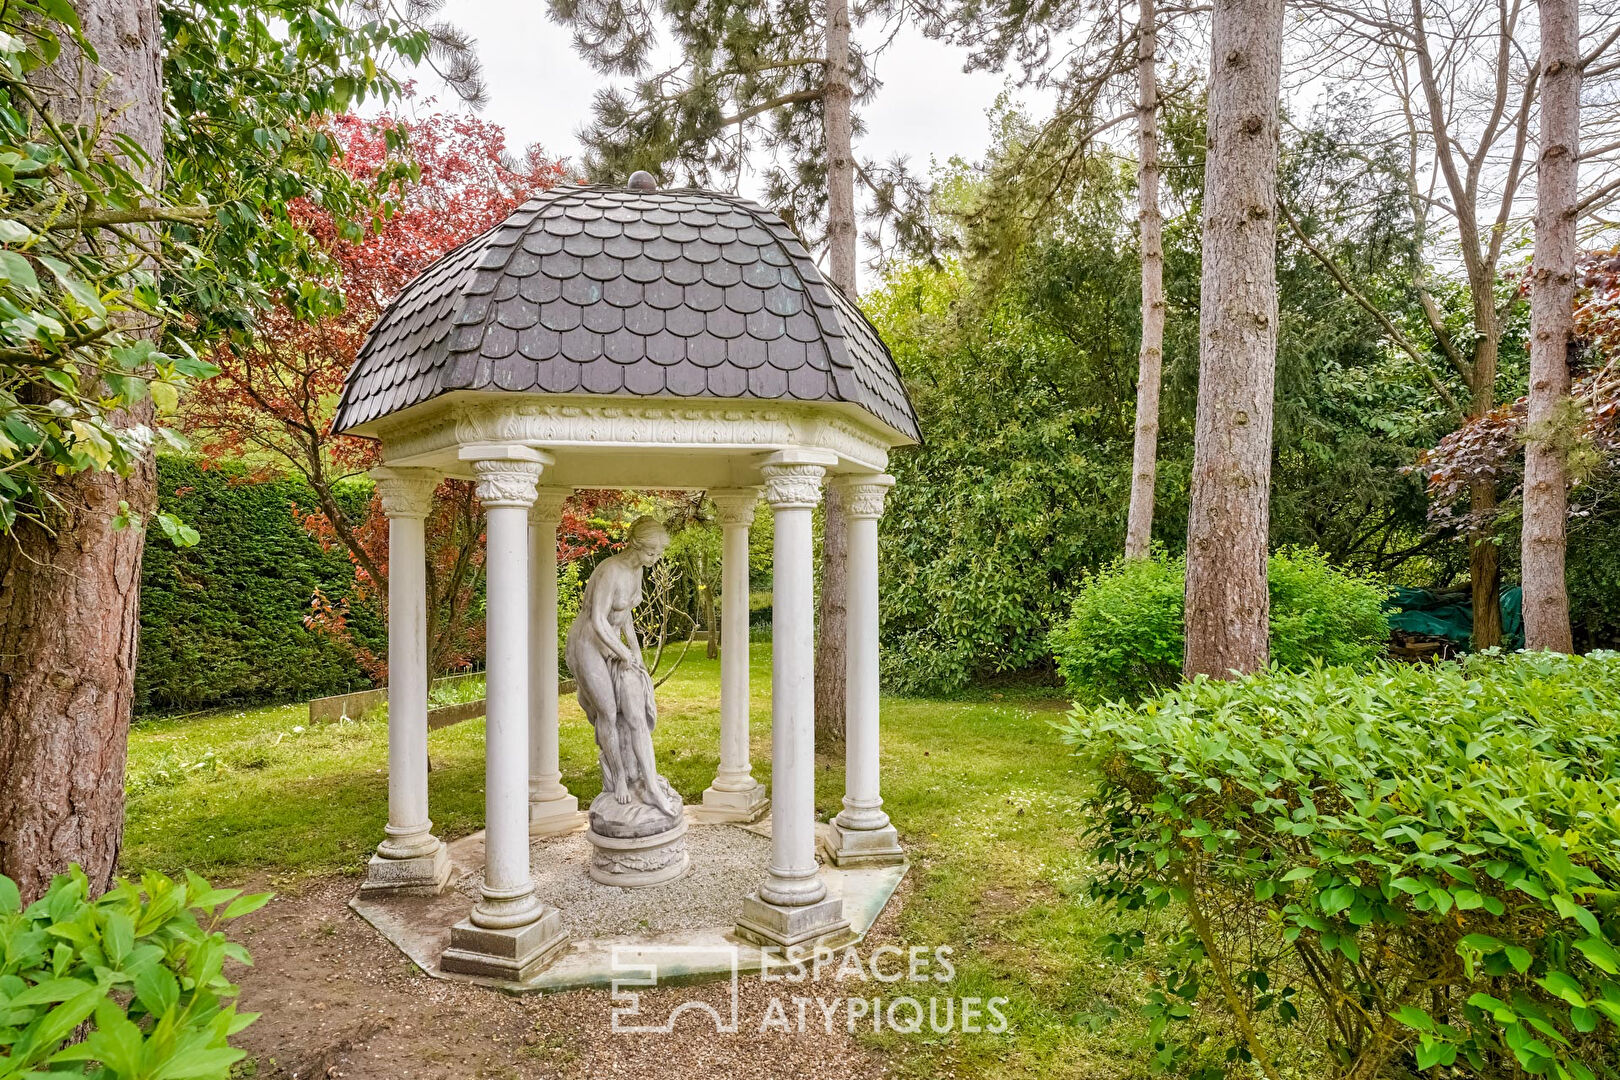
x=617 y=291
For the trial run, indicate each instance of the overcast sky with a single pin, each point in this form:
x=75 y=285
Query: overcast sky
x=540 y=90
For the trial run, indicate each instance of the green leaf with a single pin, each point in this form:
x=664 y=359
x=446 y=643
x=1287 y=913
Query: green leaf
x=1561 y=985
x=1414 y=1017
x=157 y=989
x=51 y=991
x=16 y=269
x=1602 y=955
x=245 y=905
x=76 y=286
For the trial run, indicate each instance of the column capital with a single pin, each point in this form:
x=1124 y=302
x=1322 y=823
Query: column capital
x=506 y=483
x=405 y=493
x=505 y=473
x=864 y=494
x=735 y=505
x=548 y=504
x=793 y=486
x=793 y=477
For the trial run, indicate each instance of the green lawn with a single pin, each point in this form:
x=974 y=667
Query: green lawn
x=986 y=798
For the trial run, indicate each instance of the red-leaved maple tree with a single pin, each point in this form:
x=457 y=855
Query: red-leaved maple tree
x=274 y=404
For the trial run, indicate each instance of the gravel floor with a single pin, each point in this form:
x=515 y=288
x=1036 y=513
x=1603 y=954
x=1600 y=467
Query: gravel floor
x=727 y=864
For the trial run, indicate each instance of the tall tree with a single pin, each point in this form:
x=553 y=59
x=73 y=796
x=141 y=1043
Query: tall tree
x=1228 y=516
x=767 y=87
x=1552 y=324
x=1150 y=357
x=155 y=156
x=1457 y=88
x=68 y=622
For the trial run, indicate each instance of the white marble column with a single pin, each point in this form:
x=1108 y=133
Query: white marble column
x=861 y=833
x=410 y=859
x=735 y=795
x=792 y=908
x=551 y=808
x=510 y=934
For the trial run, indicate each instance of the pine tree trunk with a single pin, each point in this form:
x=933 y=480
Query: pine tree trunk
x=1150 y=359
x=1229 y=515
x=1552 y=301
x=69 y=597
x=831 y=630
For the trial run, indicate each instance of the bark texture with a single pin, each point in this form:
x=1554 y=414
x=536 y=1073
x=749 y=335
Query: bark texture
x=831 y=623
x=1229 y=516
x=1552 y=325
x=1150 y=358
x=69 y=596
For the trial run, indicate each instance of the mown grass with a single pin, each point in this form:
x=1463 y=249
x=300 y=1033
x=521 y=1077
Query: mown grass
x=987 y=800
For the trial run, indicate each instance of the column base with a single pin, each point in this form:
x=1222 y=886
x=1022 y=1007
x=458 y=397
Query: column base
x=554 y=816
x=420 y=875
x=845 y=848
x=515 y=954
x=736 y=807
x=774 y=926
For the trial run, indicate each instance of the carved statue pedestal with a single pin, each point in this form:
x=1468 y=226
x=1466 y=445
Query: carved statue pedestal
x=637 y=844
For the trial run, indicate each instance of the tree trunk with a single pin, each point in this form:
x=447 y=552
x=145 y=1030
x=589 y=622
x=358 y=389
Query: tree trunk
x=1150 y=359
x=830 y=621
x=69 y=597
x=838 y=106
x=1484 y=558
x=1229 y=516
x=1552 y=301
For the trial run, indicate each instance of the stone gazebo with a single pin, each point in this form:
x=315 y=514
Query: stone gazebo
x=606 y=337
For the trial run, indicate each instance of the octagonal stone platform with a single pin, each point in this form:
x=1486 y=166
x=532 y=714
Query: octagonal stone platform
x=684 y=929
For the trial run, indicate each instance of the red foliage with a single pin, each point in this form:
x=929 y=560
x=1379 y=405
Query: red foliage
x=275 y=401
x=1490 y=448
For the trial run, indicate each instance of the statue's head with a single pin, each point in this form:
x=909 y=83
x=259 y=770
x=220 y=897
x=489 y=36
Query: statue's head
x=647 y=540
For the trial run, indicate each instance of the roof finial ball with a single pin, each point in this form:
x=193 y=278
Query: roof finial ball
x=642 y=180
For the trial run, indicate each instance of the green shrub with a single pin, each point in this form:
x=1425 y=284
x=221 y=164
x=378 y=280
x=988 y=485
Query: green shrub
x=143 y=965
x=222 y=622
x=1380 y=872
x=1125 y=632
x=1124 y=635
x=1322 y=613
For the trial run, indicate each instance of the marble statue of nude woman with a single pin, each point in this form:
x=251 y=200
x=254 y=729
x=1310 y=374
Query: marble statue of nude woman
x=616 y=691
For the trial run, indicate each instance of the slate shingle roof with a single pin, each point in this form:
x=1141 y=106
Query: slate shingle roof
x=605 y=290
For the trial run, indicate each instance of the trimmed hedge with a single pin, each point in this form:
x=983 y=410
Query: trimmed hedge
x=1373 y=873
x=222 y=622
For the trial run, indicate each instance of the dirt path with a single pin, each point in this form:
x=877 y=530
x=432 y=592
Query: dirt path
x=338 y=1001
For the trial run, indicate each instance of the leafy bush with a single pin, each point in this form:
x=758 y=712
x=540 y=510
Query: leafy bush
x=223 y=621
x=1320 y=612
x=143 y=964
x=1125 y=632
x=1410 y=867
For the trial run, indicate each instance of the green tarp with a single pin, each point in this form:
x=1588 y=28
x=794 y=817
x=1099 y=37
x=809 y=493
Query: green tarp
x=1450 y=614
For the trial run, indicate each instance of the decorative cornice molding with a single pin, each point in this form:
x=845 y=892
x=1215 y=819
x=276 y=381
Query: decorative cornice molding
x=405 y=493
x=735 y=505
x=504 y=482
x=548 y=505
x=793 y=486
x=562 y=423
x=862 y=496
